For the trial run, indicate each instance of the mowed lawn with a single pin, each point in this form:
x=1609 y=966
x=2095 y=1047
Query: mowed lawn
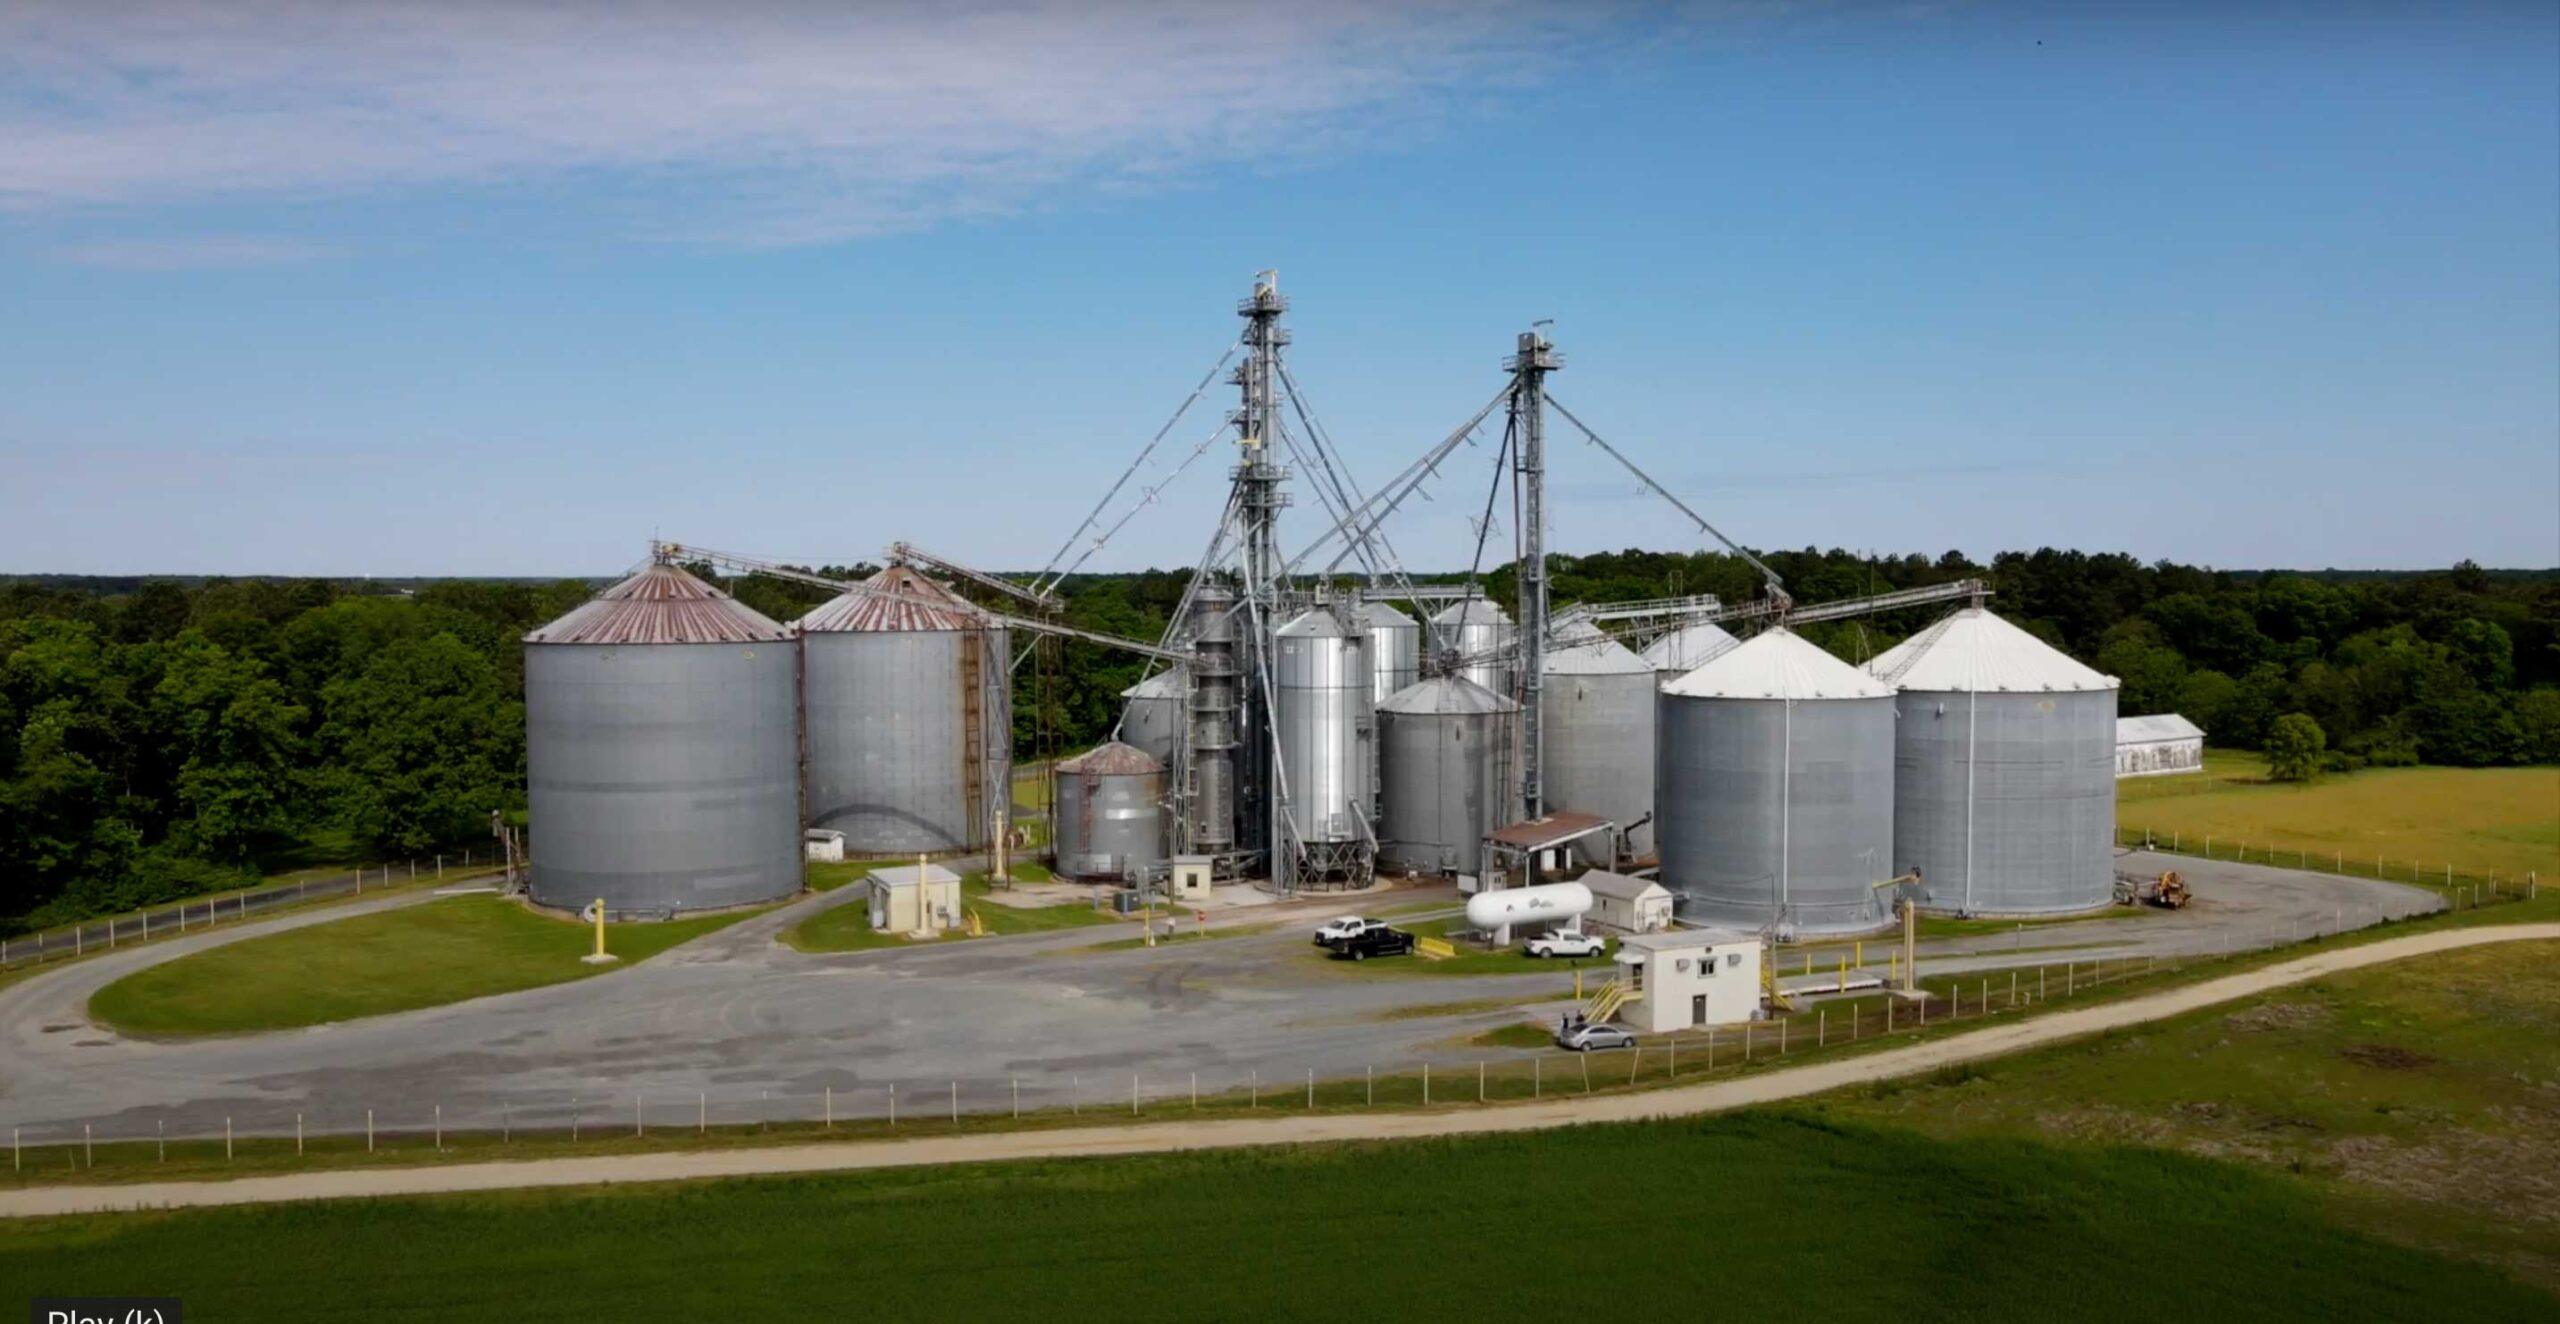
x=2422 y=1099
x=1751 y=1217
x=2504 y=821
x=394 y=960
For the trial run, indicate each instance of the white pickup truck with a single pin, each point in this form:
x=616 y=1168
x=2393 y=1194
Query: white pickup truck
x=1566 y=942
x=1335 y=932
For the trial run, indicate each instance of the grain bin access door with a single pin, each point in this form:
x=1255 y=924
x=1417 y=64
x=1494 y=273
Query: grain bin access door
x=973 y=731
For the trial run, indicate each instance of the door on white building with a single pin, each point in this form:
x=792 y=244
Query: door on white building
x=1698 y=1009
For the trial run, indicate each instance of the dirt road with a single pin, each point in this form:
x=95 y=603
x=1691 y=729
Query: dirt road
x=1715 y=1096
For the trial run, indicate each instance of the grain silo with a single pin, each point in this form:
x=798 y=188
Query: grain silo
x=2004 y=790
x=661 y=751
x=1395 y=649
x=1322 y=710
x=1447 y=760
x=1109 y=815
x=1476 y=628
x=1598 y=710
x=1688 y=648
x=1156 y=711
x=909 y=717
x=1774 y=780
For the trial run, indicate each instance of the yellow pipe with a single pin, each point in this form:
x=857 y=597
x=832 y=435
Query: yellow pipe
x=600 y=927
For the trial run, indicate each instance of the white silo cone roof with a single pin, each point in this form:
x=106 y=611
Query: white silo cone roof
x=1971 y=651
x=1691 y=646
x=1162 y=685
x=1778 y=664
x=1589 y=652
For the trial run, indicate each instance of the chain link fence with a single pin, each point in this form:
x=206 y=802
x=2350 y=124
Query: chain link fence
x=111 y=931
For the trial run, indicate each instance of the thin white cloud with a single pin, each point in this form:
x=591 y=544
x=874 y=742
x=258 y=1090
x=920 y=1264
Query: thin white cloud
x=758 y=122
x=187 y=252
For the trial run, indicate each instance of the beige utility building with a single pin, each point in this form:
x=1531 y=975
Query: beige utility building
x=1629 y=905
x=1689 y=977
x=914 y=898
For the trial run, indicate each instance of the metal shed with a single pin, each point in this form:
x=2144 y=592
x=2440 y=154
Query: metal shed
x=2004 y=789
x=661 y=751
x=2158 y=744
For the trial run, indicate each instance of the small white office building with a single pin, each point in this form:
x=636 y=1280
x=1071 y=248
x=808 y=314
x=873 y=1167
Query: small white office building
x=1689 y=977
x=2158 y=744
x=914 y=898
x=1629 y=905
x=822 y=845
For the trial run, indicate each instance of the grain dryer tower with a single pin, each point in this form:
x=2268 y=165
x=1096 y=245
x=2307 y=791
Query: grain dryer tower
x=661 y=751
x=910 y=724
x=2004 y=790
x=1775 y=781
x=1599 y=708
x=1447 y=759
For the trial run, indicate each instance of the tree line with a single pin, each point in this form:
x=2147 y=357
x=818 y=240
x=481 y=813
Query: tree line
x=160 y=739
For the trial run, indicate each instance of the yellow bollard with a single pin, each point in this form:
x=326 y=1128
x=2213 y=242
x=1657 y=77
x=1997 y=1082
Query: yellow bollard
x=600 y=955
x=1861 y=949
x=1844 y=974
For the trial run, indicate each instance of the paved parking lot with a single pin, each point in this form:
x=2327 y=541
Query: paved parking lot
x=764 y=1031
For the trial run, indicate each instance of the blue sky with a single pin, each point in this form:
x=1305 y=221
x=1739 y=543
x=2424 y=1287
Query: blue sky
x=497 y=289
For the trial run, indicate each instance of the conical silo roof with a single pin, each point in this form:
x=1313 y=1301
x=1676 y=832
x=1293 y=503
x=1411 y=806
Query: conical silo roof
x=1778 y=664
x=1446 y=696
x=1113 y=759
x=1314 y=623
x=910 y=602
x=1690 y=647
x=1383 y=615
x=1971 y=651
x=1472 y=611
x=1588 y=651
x=662 y=604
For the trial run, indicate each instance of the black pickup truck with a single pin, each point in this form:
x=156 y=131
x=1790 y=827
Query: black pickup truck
x=1377 y=940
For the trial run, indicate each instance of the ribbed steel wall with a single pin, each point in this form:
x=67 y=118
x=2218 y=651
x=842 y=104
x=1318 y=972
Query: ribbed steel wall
x=2006 y=801
x=888 y=738
x=663 y=777
x=1156 y=711
x=1769 y=814
x=1323 y=711
x=1599 y=750
x=1395 y=649
x=1446 y=757
x=1109 y=825
x=1475 y=628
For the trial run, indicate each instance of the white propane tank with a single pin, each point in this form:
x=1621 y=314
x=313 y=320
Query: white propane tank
x=1543 y=904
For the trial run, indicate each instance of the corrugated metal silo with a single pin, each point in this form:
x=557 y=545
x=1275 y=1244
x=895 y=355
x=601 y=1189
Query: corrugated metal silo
x=661 y=751
x=1688 y=648
x=1447 y=758
x=1475 y=628
x=1598 y=704
x=1157 y=710
x=1322 y=706
x=1395 y=649
x=910 y=725
x=2004 y=790
x=1109 y=813
x=1774 y=783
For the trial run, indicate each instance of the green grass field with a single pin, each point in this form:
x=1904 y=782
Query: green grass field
x=2420 y=1100
x=2503 y=821
x=1656 y=1220
x=424 y=955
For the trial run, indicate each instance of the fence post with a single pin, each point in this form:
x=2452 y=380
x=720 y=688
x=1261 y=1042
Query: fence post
x=828 y=1116
x=439 y=1127
x=17 y=1152
x=368 y=1129
x=161 y=1130
x=89 y=1154
x=297 y=1135
x=1821 y=1027
x=1537 y=1077
x=893 y=1102
x=1479 y=1080
x=639 y=1124
x=1014 y=1083
x=1426 y=1082
x=955 y=1103
x=1195 y=1091
x=1586 y=1073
